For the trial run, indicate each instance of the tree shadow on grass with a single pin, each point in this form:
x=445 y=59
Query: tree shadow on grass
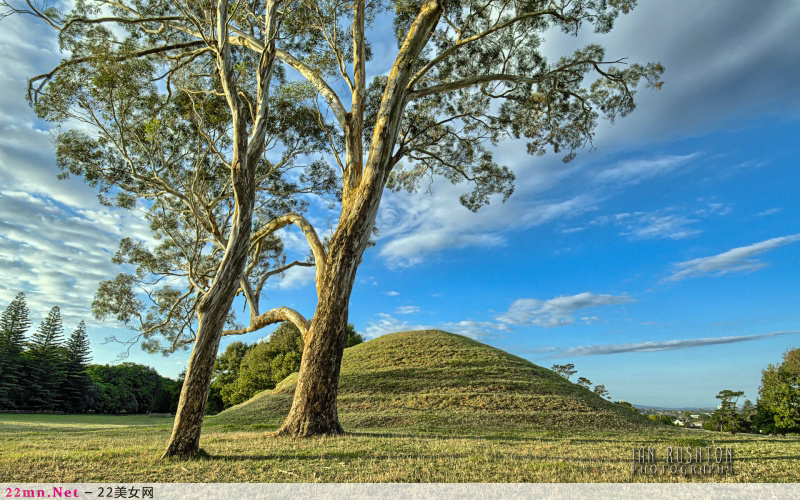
x=349 y=456
x=495 y=437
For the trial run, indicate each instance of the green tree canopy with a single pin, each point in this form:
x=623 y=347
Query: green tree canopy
x=600 y=390
x=77 y=382
x=46 y=362
x=13 y=325
x=242 y=371
x=565 y=371
x=779 y=394
x=727 y=418
x=129 y=388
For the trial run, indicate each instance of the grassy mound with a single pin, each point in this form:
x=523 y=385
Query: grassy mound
x=433 y=381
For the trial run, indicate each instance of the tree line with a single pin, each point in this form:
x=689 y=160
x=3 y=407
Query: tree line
x=46 y=372
x=777 y=409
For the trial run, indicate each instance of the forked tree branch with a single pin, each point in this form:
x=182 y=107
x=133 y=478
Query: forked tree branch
x=317 y=248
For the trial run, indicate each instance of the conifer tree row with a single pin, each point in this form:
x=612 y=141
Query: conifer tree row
x=44 y=372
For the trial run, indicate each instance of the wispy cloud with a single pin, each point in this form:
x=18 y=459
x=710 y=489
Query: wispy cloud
x=294 y=278
x=57 y=254
x=409 y=250
x=407 y=310
x=414 y=227
x=474 y=329
x=558 y=311
x=771 y=211
x=668 y=345
x=668 y=223
x=386 y=323
x=636 y=171
x=734 y=260
x=652 y=226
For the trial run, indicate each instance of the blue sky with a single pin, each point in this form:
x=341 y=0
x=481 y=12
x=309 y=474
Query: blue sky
x=663 y=264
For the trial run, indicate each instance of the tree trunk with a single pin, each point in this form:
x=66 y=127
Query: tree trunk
x=213 y=309
x=212 y=313
x=314 y=405
x=185 y=439
x=313 y=409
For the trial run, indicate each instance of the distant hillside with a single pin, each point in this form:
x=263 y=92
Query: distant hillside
x=440 y=382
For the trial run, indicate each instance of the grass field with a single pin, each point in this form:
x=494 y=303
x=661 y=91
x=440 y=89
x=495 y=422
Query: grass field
x=61 y=448
x=462 y=412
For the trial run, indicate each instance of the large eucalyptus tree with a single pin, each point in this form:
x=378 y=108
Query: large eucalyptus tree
x=154 y=104
x=466 y=75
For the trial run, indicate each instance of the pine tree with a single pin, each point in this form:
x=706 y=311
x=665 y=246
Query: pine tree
x=46 y=356
x=76 y=382
x=13 y=325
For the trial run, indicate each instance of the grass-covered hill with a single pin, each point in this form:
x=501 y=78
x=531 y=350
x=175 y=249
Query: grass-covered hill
x=433 y=381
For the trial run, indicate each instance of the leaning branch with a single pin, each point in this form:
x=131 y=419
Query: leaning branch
x=277 y=315
x=504 y=77
x=123 y=20
x=461 y=43
x=271 y=317
x=322 y=86
x=45 y=77
x=317 y=248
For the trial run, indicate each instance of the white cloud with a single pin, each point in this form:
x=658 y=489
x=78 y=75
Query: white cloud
x=407 y=310
x=392 y=293
x=666 y=223
x=415 y=226
x=474 y=329
x=734 y=260
x=409 y=250
x=386 y=323
x=594 y=350
x=295 y=277
x=58 y=254
x=636 y=171
x=667 y=226
x=558 y=311
x=771 y=211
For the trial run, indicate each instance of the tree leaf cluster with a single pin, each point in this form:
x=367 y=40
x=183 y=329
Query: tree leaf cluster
x=778 y=406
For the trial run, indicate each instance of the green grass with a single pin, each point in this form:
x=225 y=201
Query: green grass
x=418 y=407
